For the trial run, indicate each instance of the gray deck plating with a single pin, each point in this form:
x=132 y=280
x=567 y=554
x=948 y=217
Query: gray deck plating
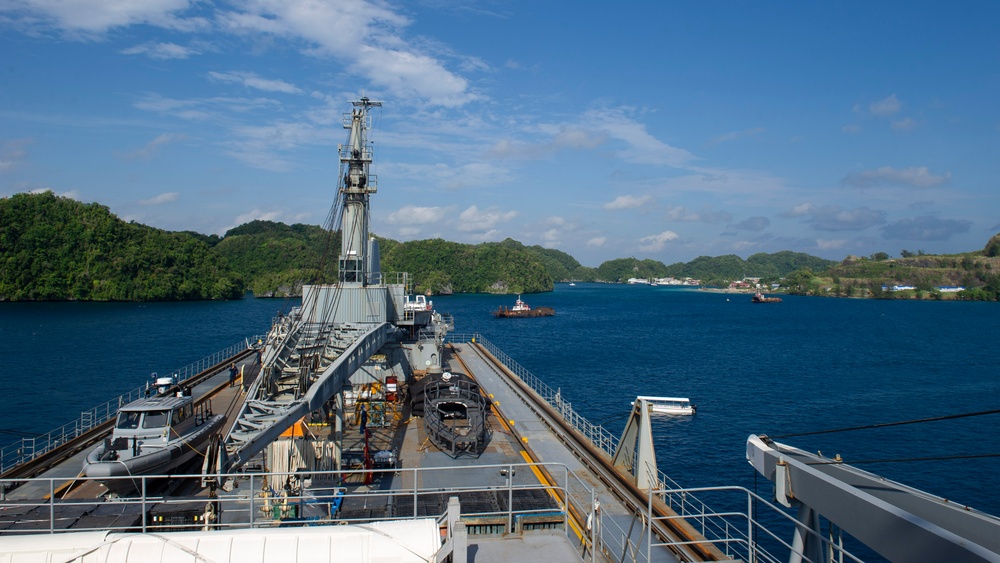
x=548 y=448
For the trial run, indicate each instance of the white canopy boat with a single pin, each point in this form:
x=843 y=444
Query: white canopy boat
x=152 y=436
x=668 y=405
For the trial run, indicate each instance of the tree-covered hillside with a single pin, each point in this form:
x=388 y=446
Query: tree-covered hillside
x=621 y=269
x=559 y=265
x=56 y=248
x=875 y=276
x=276 y=259
x=716 y=269
x=709 y=269
x=439 y=266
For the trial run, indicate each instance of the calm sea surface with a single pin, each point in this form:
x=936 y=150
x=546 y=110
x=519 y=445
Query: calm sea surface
x=803 y=365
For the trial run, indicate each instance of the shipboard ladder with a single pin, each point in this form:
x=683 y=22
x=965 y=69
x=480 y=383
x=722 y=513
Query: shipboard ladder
x=321 y=361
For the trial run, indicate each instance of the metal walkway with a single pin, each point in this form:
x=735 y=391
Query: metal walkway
x=265 y=415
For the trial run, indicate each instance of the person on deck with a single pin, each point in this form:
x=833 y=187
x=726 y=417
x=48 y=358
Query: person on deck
x=232 y=374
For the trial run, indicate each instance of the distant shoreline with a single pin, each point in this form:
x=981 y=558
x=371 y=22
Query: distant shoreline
x=730 y=290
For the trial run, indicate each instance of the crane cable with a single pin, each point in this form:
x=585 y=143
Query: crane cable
x=899 y=460
x=887 y=424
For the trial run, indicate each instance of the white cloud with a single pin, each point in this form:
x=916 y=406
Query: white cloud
x=411 y=214
x=917 y=177
x=153 y=146
x=905 y=124
x=681 y=213
x=753 y=224
x=558 y=137
x=597 y=242
x=95 y=17
x=161 y=51
x=473 y=220
x=836 y=218
x=251 y=80
x=799 y=210
x=167 y=197
x=642 y=148
x=851 y=128
x=469 y=175
x=367 y=36
x=259 y=146
x=71 y=194
x=655 y=243
x=552 y=238
x=254 y=215
x=13 y=153
x=885 y=107
x=629 y=202
x=926 y=228
x=735 y=135
x=830 y=244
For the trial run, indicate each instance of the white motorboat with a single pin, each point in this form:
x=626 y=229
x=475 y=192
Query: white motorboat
x=669 y=405
x=152 y=436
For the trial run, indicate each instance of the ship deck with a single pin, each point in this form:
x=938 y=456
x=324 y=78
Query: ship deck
x=527 y=495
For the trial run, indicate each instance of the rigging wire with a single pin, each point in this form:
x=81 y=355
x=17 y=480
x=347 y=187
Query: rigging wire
x=887 y=424
x=902 y=460
x=19 y=433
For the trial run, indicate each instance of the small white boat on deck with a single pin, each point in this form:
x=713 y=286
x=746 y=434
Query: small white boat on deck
x=152 y=436
x=669 y=405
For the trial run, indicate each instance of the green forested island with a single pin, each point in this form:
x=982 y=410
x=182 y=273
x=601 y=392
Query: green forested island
x=55 y=248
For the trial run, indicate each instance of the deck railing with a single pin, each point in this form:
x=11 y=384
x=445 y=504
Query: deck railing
x=29 y=448
x=745 y=537
x=262 y=500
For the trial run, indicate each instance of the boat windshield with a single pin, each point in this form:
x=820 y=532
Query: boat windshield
x=155 y=419
x=128 y=420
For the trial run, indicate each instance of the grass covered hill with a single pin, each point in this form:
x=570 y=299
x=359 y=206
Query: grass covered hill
x=56 y=248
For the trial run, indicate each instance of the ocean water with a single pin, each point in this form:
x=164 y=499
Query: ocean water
x=805 y=364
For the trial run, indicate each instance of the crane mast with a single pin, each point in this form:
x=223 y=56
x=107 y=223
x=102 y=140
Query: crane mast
x=358 y=263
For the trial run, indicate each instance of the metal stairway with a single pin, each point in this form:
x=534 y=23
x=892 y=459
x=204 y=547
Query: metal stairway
x=305 y=369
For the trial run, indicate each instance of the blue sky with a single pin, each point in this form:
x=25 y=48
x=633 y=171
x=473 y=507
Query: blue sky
x=663 y=130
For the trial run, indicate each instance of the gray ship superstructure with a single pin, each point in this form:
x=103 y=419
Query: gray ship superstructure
x=360 y=330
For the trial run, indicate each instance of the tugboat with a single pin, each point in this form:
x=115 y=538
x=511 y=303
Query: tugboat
x=522 y=309
x=759 y=298
x=152 y=436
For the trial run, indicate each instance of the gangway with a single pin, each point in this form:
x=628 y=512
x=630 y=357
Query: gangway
x=270 y=408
